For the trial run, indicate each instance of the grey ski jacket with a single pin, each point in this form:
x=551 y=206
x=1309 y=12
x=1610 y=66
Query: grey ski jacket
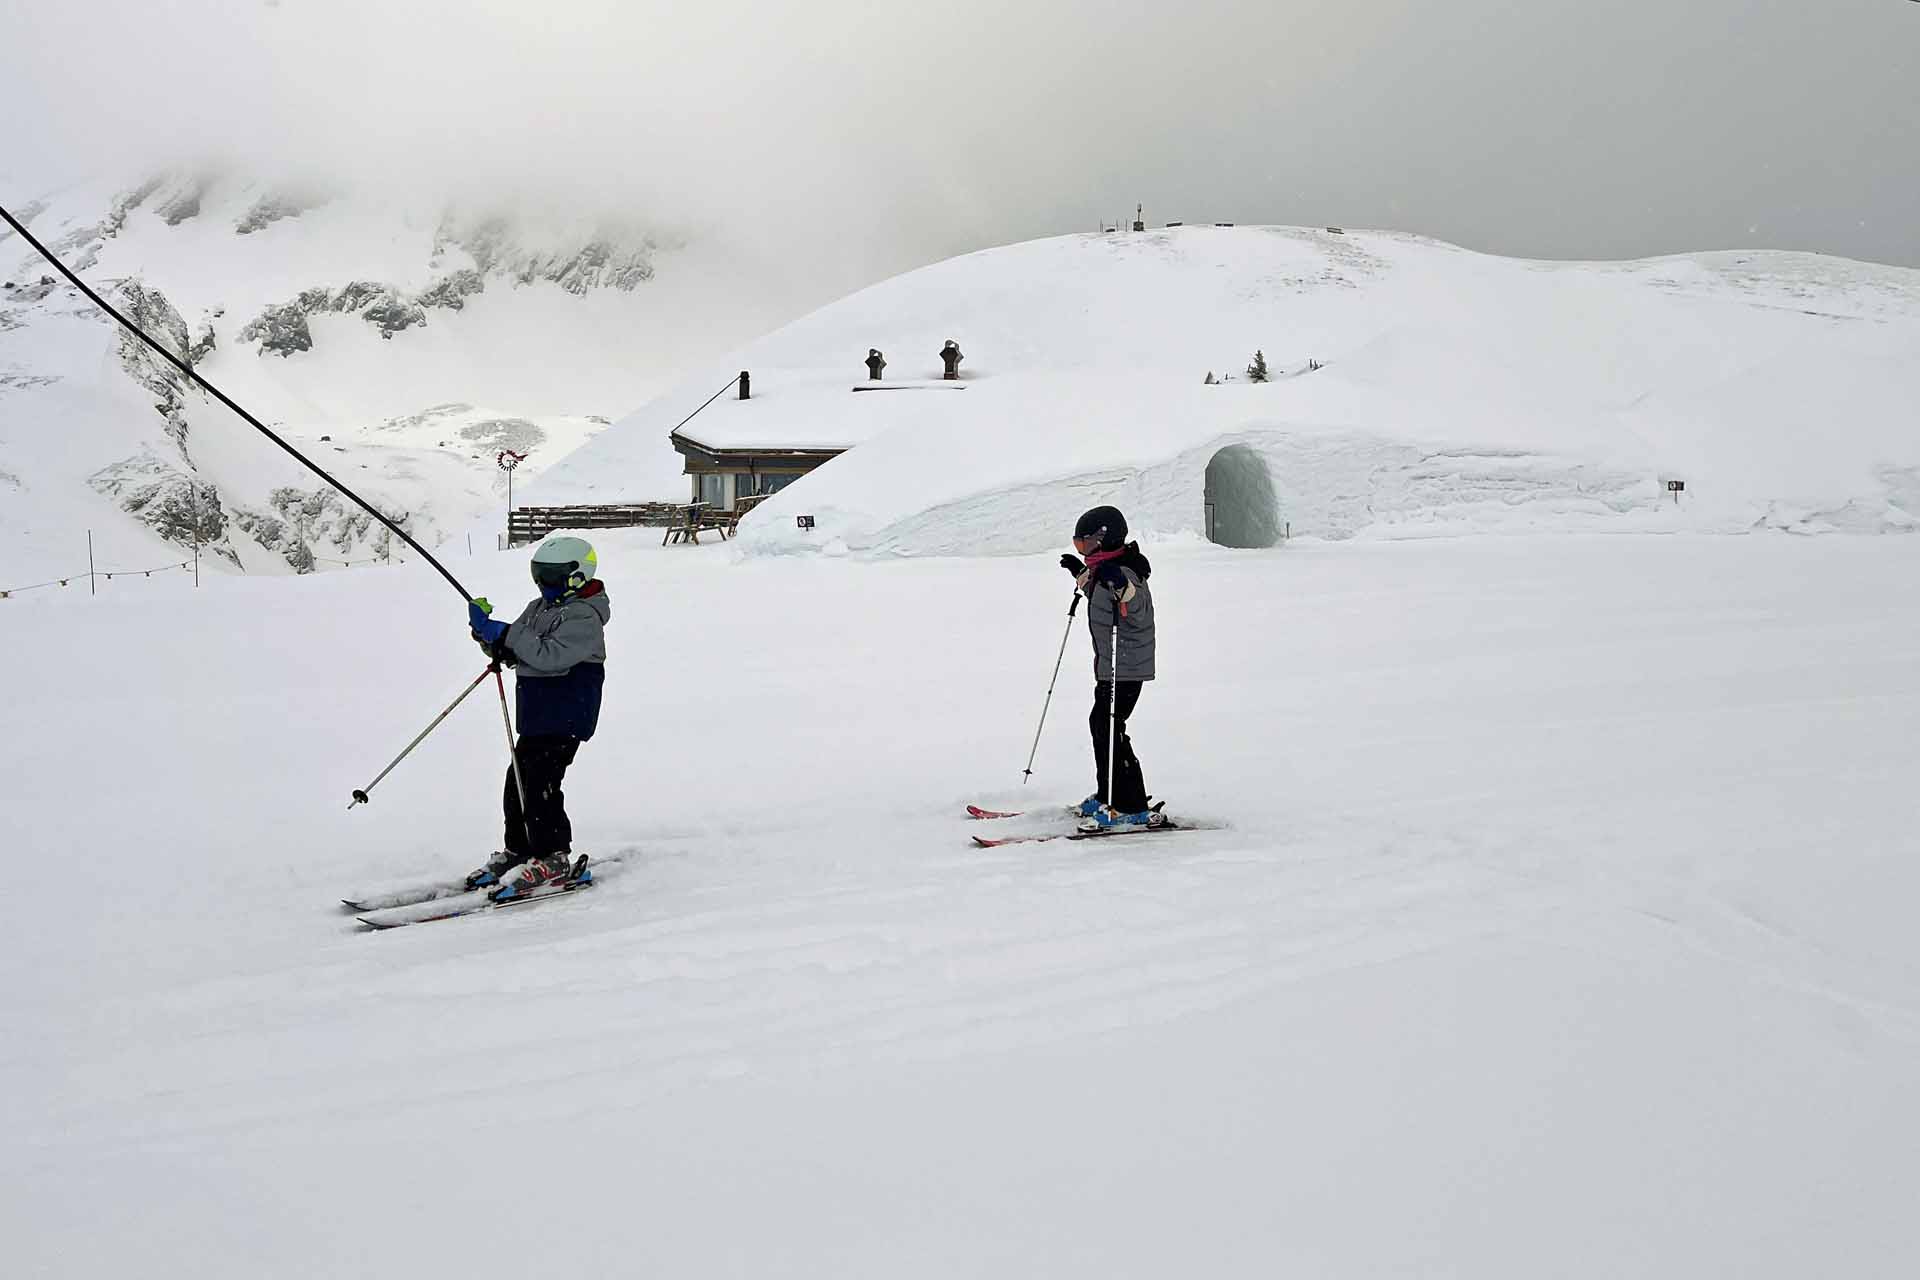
x=1117 y=587
x=559 y=655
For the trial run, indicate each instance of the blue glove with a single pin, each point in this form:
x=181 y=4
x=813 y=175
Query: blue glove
x=485 y=629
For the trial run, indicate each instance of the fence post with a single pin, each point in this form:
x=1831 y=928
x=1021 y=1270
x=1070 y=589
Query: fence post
x=746 y=383
x=91 y=589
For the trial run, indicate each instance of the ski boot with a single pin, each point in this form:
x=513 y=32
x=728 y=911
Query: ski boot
x=495 y=871
x=1092 y=805
x=554 y=867
x=1104 y=820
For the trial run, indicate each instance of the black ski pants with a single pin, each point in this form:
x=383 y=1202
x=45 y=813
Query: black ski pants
x=545 y=829
x=1130 y=786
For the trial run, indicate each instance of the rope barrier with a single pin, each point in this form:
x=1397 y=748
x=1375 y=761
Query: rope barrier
x=111 y=574
x=350 y=563
x=108 y=574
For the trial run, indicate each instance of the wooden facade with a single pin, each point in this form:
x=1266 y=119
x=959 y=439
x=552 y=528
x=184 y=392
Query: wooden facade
x=720 y=478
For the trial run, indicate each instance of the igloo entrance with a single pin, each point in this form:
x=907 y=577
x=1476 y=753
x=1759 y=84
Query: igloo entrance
x=1242 y=509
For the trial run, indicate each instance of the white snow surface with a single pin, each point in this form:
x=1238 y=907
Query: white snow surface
x=1460 y=393
x=1555 y=920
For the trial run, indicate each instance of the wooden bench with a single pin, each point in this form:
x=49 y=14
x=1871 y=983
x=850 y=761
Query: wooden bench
x=694 y=520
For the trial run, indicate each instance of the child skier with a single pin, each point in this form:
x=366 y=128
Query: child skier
x=558 y=648
x=1114 y=578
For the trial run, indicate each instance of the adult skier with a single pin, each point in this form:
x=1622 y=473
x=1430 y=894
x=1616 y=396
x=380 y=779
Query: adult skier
x=1114 y=578
x=558 y=649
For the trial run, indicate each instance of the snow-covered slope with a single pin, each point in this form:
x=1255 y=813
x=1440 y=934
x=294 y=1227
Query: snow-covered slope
x=414 y=339
x=1559 y=922
x=1459 y=392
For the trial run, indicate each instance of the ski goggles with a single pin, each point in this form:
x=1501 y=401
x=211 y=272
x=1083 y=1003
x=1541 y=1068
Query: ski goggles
x=554 y=575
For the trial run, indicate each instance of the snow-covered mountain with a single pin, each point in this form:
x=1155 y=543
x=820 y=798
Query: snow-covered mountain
x=1544 y=907
x=1417 y=388
x=399 y=342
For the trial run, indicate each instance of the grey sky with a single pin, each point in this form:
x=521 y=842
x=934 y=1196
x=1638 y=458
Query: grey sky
x=891 y=134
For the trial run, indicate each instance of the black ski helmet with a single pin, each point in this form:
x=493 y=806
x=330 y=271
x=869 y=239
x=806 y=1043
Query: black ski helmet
x=1105 y=524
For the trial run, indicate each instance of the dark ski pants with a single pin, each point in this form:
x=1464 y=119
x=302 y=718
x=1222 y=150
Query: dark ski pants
x=543 y=763
x=1130 y=787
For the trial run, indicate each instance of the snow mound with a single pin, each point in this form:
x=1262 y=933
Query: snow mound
x=1417 y=389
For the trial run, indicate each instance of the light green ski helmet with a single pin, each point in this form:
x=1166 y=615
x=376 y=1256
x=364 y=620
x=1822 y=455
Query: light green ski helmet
x=565 y=562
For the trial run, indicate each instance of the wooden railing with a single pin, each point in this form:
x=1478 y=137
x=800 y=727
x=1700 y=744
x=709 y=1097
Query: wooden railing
x=530 y=524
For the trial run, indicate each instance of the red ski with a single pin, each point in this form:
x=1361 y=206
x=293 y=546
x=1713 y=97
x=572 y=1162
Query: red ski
x=1105 y=833
x=975 y=811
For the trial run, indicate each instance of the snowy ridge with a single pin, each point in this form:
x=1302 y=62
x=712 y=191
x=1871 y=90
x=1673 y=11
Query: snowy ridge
x=334 y=316
x=1419 y=389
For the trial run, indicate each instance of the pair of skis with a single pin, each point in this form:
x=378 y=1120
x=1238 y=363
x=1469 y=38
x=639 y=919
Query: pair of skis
x=1104 y=833
x=450 y=899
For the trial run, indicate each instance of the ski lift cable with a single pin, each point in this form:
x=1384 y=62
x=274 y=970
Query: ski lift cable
x=223 y=398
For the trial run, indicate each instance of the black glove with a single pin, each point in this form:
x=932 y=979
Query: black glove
x=1072 y=564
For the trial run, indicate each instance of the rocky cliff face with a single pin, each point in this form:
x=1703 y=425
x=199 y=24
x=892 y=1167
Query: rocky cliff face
x=276 y=206
x=313 y=527
x=150 y=309
x=283 y=329
x=599 y=260
x=169 y=499
x=492 y=246
x=161 y=489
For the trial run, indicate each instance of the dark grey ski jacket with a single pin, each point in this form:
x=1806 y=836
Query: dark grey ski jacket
x=1119 y=588
x=558 y=651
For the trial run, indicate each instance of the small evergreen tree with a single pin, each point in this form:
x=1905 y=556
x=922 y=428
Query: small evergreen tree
x=1257 y=371
x=1211 y=380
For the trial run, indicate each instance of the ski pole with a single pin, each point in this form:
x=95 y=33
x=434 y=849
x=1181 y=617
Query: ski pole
x=1113 y=706
x=519 y=784
x=1071 y=610
x=360 y=796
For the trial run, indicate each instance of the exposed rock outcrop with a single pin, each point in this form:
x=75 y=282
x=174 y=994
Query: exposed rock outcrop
x=385 y=308
x=283 y=329
x=149 y=309
x=452 y=292
x=303 y=526
x=174 y=503
x=26 y=213
x=604 y=261
x=204 y=339
x=516 y=434
x=274 y=206
x=179 y=198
